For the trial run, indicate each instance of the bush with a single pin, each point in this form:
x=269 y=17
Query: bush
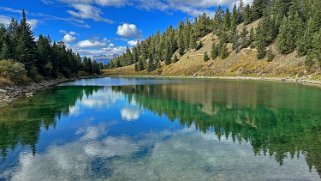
x=13 y=71
x=270 y=55
x=206 y=57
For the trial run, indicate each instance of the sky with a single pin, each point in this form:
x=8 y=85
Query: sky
x=103 y=28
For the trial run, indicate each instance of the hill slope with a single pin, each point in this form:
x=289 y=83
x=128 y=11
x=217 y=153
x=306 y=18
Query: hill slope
x=244 y=63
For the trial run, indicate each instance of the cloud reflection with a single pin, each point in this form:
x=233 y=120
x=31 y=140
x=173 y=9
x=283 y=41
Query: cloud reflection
x=130 y=113
x=183 y=155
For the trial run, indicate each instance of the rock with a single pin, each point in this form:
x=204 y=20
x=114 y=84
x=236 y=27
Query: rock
x=3 y=91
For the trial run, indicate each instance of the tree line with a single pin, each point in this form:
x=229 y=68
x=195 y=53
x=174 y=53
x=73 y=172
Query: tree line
x=41 y=57
x=292 y=24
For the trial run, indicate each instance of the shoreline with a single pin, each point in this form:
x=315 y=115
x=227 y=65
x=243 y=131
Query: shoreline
x=301 y=81
x=9 y=94
x=12 y=93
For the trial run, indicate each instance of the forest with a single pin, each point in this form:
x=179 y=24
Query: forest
x=24 y=58
x=294 y=25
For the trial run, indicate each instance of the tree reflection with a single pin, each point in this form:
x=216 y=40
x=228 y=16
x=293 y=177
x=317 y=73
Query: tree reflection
x=276 y=129
x=21 y=122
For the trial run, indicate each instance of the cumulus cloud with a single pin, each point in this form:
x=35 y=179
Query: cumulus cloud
x=90 y=44
x=68 y=36
x=87 y=11
x=130 y=113
x=132 y=42
x=128 y=30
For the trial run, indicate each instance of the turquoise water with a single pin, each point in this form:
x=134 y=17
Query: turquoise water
x=158 y=129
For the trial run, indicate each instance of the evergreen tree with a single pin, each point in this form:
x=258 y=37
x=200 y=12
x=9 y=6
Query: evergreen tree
x=260 y=46
x=214 y=52
x=175 y=59
x=44 y=56
x=151 y=63
x=247 y=14
x=193 y=41
x=223 y=51
x=270 y=55
x=258 y=7
x=206 y=57
x=26 y=46
x=286 y=41
x=181 y=44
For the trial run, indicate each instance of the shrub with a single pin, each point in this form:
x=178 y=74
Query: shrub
x=270 y=55
x=206 y=57
x=13 y=71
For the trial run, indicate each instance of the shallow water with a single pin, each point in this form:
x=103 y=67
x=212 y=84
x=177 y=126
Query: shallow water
x=154 y=129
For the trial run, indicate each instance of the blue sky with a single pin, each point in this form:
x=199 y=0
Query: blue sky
x=105 y=27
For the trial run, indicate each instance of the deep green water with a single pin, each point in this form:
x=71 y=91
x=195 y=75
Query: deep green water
x=152 y=129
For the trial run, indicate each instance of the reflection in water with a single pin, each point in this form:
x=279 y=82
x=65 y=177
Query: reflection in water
x=182 y=131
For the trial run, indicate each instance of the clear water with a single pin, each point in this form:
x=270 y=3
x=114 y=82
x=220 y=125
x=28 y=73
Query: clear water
x=153 y=129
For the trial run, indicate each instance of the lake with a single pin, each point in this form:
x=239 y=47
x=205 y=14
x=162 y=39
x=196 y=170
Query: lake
x=163 y=129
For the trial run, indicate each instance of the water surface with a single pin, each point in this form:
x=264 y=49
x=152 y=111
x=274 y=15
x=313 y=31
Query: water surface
x=154 y=129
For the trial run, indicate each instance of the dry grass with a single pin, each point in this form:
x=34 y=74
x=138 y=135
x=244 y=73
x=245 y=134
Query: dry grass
x=5 y=82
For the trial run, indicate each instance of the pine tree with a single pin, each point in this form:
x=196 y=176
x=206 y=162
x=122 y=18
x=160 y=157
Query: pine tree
x=193 y=41
x=260 y=43
x=167 y=54
x=44 y=58
x=305 y=42
x=140 y=64
x=151 y=64
x=270 y=55
x=316 y=51
x=226 y=21
x=286 y=38
x=26 y=46
x=223 y=51
x=214 y=51
x=206 y=57
x=247 y=14
x=175 y=59
x=181 y=44
x=252 y=38
x=258 y=7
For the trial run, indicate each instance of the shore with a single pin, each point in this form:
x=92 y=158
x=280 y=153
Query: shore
x=11 y=93
x=304 y=81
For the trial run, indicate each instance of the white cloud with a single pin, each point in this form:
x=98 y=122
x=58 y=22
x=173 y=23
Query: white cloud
x=111 y=2
x=90 y=44
x=5 y=20
x=191 y=7
x=69 y=36
x=130 y=113
x=132 y=42
x=87 y=11
x=128 y=30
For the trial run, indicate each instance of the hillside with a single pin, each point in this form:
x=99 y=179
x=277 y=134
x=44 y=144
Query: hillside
x=244 y=63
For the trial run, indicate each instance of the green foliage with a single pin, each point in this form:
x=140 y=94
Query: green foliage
x=14 y=71
x=206 y=57
x=175 y=59
x=41 y=58
x=270 y=55
x=223 y=51
x=214 y=51
x=309 y=61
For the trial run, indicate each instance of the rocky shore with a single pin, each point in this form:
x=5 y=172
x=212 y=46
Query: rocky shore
x=11 y=93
